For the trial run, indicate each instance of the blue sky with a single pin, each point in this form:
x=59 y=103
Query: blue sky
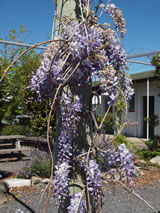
x=142 y=17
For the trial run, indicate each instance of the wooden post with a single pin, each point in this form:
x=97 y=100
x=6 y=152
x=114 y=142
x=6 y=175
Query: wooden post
x=82 y=139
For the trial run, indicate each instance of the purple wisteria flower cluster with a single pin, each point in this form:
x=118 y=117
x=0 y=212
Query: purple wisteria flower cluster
x=77 y=202
x=122 y=160
x=61 y=182
x=94 y=180
x=69 y=108
x=116 y=15
x=84 y=49
x=126 y=80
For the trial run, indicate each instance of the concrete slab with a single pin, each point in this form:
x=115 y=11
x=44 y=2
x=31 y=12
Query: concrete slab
x=17 y=182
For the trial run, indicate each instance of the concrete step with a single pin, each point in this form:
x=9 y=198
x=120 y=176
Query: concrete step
x=16 y=182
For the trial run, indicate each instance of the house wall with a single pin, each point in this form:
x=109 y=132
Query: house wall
x=140 y=89
x=137 y=116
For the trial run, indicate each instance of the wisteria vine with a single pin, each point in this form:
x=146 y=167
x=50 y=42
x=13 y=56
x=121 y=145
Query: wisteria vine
x=83 y=49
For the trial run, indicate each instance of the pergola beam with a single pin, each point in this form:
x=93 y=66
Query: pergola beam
x=138 y=62
x=143 y=54
x=20 y=44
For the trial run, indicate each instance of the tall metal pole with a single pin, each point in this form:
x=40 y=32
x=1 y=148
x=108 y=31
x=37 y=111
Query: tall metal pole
x=147 y=108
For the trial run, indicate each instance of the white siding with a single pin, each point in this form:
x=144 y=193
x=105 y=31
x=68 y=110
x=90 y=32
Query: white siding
x=137 y=116
x=140 y=91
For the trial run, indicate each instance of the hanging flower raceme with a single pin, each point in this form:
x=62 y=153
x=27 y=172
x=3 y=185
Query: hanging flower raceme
x=114 y=50
x=122 y=160
x=69 y=108
x=77 y=202
x=116 y=15
x=94 y=180
x=61 y=182
x=126 y=83
x=126 y=166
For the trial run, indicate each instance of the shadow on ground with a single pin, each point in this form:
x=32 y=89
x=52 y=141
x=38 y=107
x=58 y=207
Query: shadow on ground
x=4 y=174
x=10 y=157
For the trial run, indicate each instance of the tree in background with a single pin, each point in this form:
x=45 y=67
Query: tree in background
x=14 y=95
x=156 y=63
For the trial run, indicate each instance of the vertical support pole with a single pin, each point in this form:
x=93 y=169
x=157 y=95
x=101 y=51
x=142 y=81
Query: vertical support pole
x=82 y=139
x=18 y=145
x=147 y=108
x=135 y=105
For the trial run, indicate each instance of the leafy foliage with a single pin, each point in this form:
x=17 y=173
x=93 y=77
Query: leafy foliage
x=156 y=62
x=154 y=143
x=121 y=139
x=14 y=95
x=108 y=122
x=16 y=129
x=147 y=154
x=40 y=165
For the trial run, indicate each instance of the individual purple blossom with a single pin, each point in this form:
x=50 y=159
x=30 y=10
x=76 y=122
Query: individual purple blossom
x=75 y=203
x=94 y=180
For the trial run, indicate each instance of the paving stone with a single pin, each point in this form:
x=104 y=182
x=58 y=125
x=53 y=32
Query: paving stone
x=36 y=180
x=17 y=182
x=156 y=160
x=138 y=172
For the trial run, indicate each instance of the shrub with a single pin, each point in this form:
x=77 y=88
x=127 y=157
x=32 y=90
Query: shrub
x=40 y=165
x=147 y=154
x=121 y=139
x=154 y=143
x=15 y=129
x=107 y=124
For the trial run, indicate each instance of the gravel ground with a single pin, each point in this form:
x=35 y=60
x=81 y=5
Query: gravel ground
x=118 y=202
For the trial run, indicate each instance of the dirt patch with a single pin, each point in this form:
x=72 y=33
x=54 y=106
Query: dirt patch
x=151 y=175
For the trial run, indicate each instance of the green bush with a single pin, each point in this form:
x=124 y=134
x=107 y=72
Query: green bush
x=154 y=144
x=121 y=139
x=107 y=124
x=15 y=129
x=147 y=154
x=40 y=165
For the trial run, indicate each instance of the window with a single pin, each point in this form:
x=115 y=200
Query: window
x=131 y=107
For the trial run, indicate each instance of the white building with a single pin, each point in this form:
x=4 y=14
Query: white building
x=144 y=104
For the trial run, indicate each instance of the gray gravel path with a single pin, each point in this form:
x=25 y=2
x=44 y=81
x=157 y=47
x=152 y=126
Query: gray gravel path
x=118 y=202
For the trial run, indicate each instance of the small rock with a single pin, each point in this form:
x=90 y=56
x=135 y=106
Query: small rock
x=3 y=195
x=3 y=188
x=17 y=182
x=156 y=160
x=45 y=181
x=36 y=180
x=140 y=163
x=138 y=172
x=3 y=198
